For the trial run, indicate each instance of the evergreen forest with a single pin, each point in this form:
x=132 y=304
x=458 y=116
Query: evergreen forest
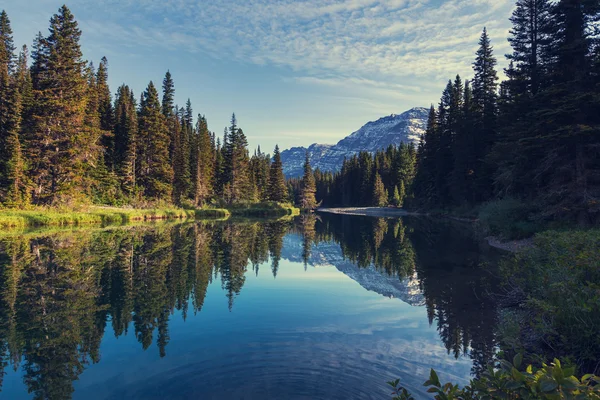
x=529 y=143
x=66 y=141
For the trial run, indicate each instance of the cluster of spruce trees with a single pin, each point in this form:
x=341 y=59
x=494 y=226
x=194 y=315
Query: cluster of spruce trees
x=369 y=179
x=535 y=136
x=64 y=141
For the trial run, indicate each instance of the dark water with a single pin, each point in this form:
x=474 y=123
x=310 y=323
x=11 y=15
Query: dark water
x=327 y=307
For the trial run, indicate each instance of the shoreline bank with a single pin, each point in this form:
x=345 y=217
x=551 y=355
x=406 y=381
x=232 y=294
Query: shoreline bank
x=98 y=215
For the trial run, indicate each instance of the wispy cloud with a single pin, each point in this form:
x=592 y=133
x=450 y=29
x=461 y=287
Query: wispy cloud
x=365 y=41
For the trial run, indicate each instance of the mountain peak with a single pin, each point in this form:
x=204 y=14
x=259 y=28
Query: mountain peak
x=407 y=127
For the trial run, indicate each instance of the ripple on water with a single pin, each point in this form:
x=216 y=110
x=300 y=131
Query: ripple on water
x=294 y=369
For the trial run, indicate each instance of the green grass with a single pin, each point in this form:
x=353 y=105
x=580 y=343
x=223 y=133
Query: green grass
x=42 y=217
x=93 y=215
x=265 y=209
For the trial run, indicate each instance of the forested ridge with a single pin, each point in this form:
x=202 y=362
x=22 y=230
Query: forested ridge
x=64 y=141
x=532 y=140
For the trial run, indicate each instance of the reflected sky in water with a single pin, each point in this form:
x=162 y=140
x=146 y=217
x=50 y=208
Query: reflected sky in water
x=240 y=310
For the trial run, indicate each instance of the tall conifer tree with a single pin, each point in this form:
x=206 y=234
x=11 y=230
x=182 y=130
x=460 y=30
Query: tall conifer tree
x=277 y=186
x=485 y=96
x=155 y=174
x=308 y=187
x=61 y=150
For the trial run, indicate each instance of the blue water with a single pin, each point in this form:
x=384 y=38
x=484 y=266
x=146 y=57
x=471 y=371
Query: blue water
x=311 y=332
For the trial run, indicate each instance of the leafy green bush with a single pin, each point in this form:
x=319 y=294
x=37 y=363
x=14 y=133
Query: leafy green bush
x=556 y=285
x=509 y=218
x=509 y=381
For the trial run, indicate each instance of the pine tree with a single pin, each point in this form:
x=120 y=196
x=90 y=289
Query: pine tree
x=308 y=189
x=181 y=177
x=219 y=170
x=169 y=110
x=106 y=112
x=277 y=187
x=7 y=106
x=401 y=195
x=395 y=198
x=567 y=130
x=125 y=138
x=424 y=186
x=61 y=150
x=205 y=163
x=444 y=159
x=380 y=197
x=24 y=84
x=7 y=48
x=12 y=166
x=155 y=174
x=236 y=164
x=485 y=98
x=530 y=38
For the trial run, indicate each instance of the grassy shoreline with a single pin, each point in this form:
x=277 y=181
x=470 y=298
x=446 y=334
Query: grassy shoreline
x=40 y=217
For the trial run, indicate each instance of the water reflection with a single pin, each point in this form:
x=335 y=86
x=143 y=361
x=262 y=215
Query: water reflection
x=61 y=291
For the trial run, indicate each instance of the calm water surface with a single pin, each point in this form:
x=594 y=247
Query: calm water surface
x=321 y=307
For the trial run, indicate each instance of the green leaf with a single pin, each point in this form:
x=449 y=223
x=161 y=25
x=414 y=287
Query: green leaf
x=557 y=372
x=570 y=383
x=394 y=383
x=517 y=360
x=519 y=377
x=434 y=378
x=567 y=372
x=548 y=385
x=586 y=377
x=529 y=369
x=513 y=385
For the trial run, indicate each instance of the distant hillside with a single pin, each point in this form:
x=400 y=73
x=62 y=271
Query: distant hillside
x=407 y=127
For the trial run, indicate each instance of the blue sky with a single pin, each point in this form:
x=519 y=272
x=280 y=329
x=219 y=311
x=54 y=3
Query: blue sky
x=294 y=72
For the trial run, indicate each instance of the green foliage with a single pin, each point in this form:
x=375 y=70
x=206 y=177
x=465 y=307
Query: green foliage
x=64 y=143
x=277 y=188
x=93 y=215
x=353 y=185
x=153 y=166
x=509 y=218
x=380 y=197
x=512 y=381
x=308 y=188
x=556 y=284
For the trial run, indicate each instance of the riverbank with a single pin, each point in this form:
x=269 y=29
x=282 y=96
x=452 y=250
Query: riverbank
x=40 y=217
x=93 y=215
x=368 y=211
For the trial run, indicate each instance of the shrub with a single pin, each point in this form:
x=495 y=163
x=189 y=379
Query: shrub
x=509 y=218
x=509 y=381
x=557 y=287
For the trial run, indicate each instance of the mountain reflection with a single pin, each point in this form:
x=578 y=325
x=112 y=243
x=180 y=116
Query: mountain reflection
x=59 y=291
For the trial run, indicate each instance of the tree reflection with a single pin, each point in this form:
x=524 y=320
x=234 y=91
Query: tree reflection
x=59 y=292
x=455 y=273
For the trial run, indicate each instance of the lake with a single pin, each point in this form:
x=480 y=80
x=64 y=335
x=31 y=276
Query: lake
x=317 y=307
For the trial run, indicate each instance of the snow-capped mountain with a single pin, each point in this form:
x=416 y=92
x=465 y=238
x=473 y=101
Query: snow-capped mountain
x=407 y=127
x=328 y=254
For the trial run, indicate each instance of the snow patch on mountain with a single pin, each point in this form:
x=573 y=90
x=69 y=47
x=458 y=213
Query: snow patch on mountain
x=407 y=127
x=327 y=254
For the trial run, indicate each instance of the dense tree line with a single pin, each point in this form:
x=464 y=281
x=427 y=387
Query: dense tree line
x=367 y=179
x=534 y=136
x=63 y=140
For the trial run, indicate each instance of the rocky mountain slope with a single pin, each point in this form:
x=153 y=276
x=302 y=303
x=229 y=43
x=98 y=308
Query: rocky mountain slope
x=407 y=127
x=327 y=254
